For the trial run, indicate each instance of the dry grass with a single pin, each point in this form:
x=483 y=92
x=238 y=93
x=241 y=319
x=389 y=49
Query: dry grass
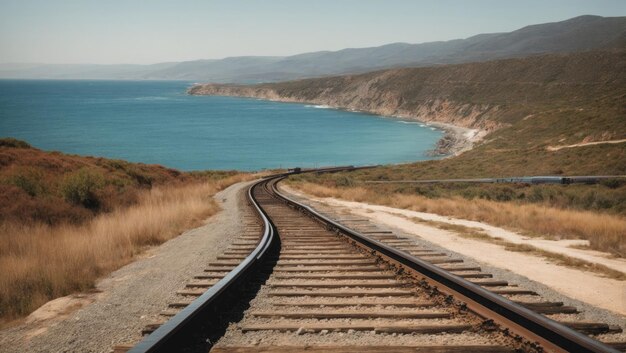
x=568 y=261
x=564 y=260
x=604 y=232
x=40 y=262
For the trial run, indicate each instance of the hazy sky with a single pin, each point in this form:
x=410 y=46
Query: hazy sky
x=150 y=31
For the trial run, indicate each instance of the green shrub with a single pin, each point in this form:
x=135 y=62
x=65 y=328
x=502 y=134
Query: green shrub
x=535 y=195
x=80 y=188
x=344 y=181
x=29 y=180
x=504 y=194
x=613 y=183
x=12 y=142
x=139 y=177
x=115 y=164
x=427 y=191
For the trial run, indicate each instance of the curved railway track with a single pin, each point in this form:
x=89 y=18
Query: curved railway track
x=324 y=287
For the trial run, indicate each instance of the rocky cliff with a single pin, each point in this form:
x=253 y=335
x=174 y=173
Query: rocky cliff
x=366 y=95
x=484 y=96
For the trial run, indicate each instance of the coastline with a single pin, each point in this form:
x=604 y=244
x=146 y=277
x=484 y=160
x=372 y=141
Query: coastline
x=456 y=139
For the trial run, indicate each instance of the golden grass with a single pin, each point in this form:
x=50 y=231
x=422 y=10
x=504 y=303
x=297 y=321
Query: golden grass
x=568 y=261
x=605 y=232
x=560 y=259
x=40 y=262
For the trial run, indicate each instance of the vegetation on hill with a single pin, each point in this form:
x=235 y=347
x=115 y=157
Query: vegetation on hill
x=67 y=220
x=527 y=106
x=53 y=188
x=547 y=115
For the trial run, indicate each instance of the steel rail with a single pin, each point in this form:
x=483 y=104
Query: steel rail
x=523 y=321
x=162 y=337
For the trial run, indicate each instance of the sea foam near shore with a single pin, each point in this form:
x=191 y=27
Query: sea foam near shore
x=318 y=106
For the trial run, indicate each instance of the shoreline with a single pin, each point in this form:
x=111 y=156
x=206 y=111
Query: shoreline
x=455 y=140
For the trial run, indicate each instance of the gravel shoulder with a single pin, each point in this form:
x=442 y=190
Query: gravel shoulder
x=131 y=297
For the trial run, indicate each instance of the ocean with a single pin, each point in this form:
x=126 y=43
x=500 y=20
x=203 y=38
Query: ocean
x=157 y=122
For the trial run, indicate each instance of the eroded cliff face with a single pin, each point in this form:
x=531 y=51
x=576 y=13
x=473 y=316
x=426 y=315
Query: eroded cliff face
x=485 y=96
x=368 y=98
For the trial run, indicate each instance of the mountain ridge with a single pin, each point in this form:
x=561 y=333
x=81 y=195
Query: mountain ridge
x=577 y=34
x=469 y=95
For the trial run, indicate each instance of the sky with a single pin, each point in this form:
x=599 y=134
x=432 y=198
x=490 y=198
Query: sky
x=152 y=31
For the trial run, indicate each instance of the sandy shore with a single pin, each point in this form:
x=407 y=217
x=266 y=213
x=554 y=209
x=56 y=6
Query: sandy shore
x=456 y=139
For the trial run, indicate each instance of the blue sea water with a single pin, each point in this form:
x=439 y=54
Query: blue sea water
x=157 y=122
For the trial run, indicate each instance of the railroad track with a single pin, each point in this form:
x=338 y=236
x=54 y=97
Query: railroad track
x=324 y=287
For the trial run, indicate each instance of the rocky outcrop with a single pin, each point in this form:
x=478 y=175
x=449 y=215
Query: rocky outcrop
x=368 y=98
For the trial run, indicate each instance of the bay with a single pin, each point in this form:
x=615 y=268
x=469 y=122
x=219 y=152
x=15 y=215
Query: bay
x=157 y=122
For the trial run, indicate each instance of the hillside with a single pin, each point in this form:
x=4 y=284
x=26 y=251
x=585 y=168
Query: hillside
x=476 y=95
x=525 y=106
x=577 y=34
x=67 y=220
x=53 y=188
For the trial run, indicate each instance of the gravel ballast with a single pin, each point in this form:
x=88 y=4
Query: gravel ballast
x=588 y=312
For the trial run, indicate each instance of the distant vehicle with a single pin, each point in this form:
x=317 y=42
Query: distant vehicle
x=550 y=180
x=296 y=170
x=564 y=180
